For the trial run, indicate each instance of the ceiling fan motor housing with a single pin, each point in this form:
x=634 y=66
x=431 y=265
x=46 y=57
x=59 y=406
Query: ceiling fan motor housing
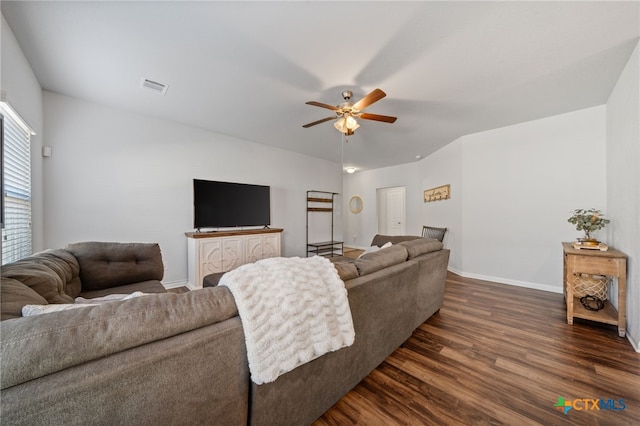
x=345 y=107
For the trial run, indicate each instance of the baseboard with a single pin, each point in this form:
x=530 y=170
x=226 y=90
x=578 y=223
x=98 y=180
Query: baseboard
x=501 y=280
x=634 y=341
x=174 y=284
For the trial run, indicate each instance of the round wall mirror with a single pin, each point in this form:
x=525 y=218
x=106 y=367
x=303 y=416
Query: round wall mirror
x=356 y=204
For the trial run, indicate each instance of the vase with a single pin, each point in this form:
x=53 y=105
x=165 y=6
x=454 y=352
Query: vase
x=588 y=241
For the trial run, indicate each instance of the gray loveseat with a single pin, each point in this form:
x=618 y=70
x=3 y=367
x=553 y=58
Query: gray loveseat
x=180 y=358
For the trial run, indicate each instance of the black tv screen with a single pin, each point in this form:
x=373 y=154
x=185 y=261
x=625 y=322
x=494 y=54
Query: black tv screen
x=228 y=204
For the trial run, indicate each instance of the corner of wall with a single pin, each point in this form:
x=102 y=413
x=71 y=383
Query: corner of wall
x=25 y=94
x=623 y=181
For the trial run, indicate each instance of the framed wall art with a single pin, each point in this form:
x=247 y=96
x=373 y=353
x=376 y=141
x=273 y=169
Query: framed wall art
x=438 y=193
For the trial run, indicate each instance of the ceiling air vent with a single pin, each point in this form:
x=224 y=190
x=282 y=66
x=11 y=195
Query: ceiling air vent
x=154 y=86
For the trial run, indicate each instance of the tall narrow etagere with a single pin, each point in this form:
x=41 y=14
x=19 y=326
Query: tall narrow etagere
x=322 y=202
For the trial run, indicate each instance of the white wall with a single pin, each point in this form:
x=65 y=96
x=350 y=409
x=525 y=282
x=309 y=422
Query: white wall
x=359 y=229
x=441 y=168
x=24 y=94
x=120 y=176
x=512 y=190
x=623 y=182
x=520 y=184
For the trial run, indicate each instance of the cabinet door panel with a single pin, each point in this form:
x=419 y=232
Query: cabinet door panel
x=271 y=245
x=223 y=253
x=211 y=256
x=232 y=253
x=253 y=248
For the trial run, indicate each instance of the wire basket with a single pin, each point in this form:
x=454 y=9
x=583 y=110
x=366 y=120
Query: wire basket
x=590 y=285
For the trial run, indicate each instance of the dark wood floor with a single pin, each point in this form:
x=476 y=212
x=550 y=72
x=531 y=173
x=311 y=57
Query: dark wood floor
x=498 y=354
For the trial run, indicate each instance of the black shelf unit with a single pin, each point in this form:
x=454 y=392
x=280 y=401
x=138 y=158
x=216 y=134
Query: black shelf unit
x=322 y=202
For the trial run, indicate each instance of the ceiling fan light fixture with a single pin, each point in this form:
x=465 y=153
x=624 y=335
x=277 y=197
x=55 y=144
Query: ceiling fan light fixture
x=341 y=125
x=346 y=124
x=351 y=123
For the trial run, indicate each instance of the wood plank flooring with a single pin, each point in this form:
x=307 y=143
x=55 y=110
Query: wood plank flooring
x=352 y=252
x=499 y=354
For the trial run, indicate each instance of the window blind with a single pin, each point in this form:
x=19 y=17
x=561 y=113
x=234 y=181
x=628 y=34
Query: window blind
x=16 y=171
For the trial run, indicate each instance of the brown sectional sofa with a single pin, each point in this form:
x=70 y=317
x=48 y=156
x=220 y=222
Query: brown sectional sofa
x=180 y=358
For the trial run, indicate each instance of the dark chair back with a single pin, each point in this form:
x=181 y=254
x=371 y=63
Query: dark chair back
x=433 y=232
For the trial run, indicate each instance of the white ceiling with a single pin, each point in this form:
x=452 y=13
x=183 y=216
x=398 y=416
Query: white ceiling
x=246 y=69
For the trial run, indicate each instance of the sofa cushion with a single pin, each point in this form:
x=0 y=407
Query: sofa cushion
x=65 y=265
x=212 y=280
x=346 y=270
x=39 y=277
x=382 y=258
x=421 y=246
x=105 y=265
x=14 y=295
x=151 y=286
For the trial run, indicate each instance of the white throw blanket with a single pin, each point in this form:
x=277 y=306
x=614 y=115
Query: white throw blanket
x=293 y=310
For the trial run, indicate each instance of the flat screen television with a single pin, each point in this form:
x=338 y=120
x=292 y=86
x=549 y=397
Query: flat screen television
x=227 y=204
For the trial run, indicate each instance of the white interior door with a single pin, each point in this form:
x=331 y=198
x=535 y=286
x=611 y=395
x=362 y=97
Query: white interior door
x=391 y=211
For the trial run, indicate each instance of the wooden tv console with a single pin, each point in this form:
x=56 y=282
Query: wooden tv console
x=222 y=251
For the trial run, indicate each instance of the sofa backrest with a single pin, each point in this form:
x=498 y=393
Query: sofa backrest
x=421 y=246
x=383 y=258
x=403 y=248
x=415 y=245
x=106 y=264
x=38 y=345
x=379 y=239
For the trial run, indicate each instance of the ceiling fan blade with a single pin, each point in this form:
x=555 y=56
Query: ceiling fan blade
x=372 y=97
x=376 y=117
x=321 y=105
x=318 y=122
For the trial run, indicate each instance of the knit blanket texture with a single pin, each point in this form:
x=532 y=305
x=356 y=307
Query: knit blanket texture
x=293 y=310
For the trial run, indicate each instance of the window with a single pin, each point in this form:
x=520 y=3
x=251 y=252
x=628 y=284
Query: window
x=16 y=186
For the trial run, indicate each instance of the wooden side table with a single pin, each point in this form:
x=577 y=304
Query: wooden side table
x=612 y=263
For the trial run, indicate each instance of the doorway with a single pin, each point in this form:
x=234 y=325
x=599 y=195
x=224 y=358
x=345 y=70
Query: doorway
x=391 y=210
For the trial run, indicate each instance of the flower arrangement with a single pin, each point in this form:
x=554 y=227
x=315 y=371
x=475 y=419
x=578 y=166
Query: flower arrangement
x=588 y=221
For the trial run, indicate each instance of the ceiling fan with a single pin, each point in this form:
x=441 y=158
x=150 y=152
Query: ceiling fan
x=347 y=112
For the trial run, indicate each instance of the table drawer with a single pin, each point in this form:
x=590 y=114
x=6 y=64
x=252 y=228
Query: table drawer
x=596 y=265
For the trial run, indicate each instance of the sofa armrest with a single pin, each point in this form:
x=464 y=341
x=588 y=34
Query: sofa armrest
x=105 y=264
x=35 y=346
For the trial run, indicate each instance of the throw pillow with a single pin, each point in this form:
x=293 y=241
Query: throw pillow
x=81 y=302
x=374 y=249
